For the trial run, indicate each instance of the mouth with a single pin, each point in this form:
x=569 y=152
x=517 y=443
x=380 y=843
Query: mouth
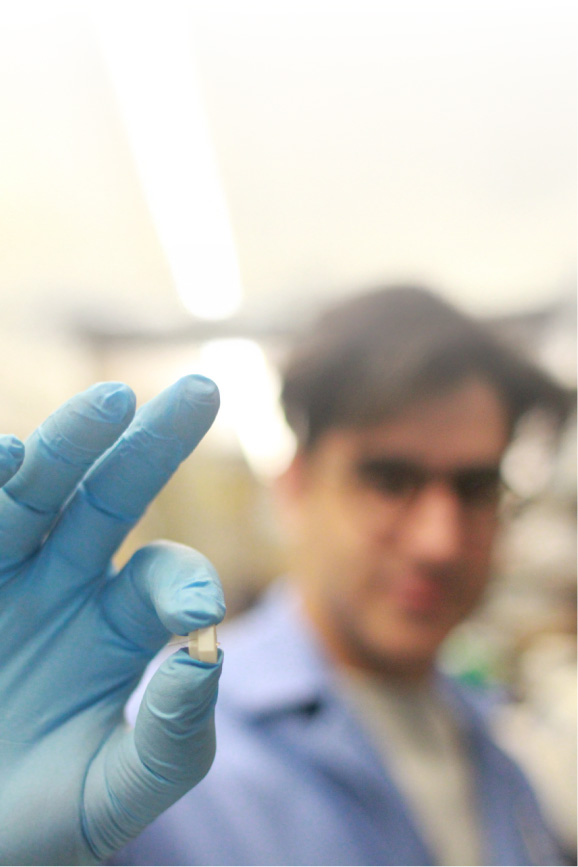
x=419 y=595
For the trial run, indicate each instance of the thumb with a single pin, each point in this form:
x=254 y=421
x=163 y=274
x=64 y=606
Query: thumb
x=138 y=774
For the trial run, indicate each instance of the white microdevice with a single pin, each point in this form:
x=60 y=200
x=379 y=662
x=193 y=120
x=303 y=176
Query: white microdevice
x=203 y=644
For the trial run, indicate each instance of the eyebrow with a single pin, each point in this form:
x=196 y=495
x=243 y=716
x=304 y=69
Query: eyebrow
x=401 y=462
x=369 y=465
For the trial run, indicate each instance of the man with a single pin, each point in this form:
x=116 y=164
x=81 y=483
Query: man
x=338 y=740
x=338 y=743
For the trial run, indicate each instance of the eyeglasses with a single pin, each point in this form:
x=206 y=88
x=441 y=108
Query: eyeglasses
x=401 y=480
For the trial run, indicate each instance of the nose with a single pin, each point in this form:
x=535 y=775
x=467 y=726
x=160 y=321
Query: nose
x=433 y=532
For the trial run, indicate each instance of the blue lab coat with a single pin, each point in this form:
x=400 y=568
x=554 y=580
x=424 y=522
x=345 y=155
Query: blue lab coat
x=297 y=781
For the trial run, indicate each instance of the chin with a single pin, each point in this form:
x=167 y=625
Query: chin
x=411 y=650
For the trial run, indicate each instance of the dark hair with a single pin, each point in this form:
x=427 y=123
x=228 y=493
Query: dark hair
x=368 y=357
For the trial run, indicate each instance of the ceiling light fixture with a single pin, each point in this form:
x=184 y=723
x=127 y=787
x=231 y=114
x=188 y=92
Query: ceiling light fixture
x=148 y=53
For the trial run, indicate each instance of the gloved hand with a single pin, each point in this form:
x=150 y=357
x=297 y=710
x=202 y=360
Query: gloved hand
x=75 y=636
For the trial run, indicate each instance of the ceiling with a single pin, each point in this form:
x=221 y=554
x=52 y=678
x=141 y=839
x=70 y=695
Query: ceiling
x=355 y=143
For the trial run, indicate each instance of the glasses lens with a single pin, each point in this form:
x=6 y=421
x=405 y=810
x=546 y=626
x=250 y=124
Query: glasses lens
x=392 y=478
x=479 y=487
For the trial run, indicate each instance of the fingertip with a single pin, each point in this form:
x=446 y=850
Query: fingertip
x=181 y=622
x=199 y=679
x=199 y=594
x=200 y=389
x=88 y=424
x=113 y=401
x=184 y=686
x=194 y=606
x=186 y=410
x=181 y=657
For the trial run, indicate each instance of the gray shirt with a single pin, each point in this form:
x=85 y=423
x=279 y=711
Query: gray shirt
x=421 y=743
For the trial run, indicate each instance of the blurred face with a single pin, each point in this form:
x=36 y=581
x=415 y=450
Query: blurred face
x=393 y=527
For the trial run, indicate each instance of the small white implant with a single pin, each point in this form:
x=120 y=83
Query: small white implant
x=202 y=644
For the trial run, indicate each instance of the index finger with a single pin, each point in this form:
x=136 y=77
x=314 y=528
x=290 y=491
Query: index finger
x=116 y=492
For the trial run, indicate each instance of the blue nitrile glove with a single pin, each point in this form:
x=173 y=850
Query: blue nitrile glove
x=75 y=636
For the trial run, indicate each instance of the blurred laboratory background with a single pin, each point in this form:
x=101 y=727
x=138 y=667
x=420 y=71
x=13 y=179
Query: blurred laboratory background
x=183 y=185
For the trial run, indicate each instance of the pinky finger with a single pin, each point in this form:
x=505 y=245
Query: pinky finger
x=11 y=457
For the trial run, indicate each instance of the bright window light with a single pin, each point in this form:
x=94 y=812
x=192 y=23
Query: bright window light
x=249 y=389
x=148 y=53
